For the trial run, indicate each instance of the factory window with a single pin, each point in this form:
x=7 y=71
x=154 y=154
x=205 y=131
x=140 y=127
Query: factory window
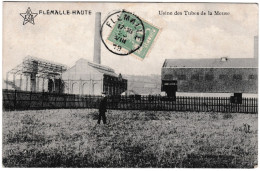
x=252 y=77
x=209 y=77
x=181 y=77
x=223 y=77
x=195 y=77
x=237 y=77
x=168 y=77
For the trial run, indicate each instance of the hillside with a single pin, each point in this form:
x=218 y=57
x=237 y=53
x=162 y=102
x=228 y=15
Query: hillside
x=144 y=84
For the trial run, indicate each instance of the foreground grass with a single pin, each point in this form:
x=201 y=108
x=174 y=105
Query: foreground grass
x=71 y=138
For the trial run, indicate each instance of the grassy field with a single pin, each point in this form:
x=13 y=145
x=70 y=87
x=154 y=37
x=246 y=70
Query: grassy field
x=71 y=138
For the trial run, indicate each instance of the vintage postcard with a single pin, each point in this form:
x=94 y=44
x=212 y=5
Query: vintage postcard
x=130 y=85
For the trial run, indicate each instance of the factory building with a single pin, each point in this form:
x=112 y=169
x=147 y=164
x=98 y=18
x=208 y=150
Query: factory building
x=85 y=77
x=222 y=75
x=35 y=74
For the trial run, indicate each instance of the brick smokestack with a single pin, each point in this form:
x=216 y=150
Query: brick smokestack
x=255 y=47
x=97 y=39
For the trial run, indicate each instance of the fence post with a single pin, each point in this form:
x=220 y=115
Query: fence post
x=30 y=99
x=15 y=99
x=253 y=105
x=219 y=103
x=227 y=109
x=256 y=100
x=192 y=103
x=55 y=102
x=215 y=104
x=187 y=101
x=195 y=104
x=180 y=104
x=231 y=106
x=204 y=104
x=65 y=101
x=87 y=101
x=222 y=100
x=42 y=98
x=246 y=105
x=189 y=106
x=249 y=105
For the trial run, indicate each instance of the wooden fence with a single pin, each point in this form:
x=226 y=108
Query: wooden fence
x=24 y=100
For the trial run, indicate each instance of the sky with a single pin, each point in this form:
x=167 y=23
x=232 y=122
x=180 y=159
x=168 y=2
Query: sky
x=67 y=38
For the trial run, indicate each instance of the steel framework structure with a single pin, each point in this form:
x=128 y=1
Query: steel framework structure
x=35 y=68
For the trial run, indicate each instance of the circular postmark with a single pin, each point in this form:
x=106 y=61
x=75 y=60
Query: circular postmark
x=122 y=33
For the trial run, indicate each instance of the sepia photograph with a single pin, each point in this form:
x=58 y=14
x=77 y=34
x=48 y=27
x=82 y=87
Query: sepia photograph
x=129 y=85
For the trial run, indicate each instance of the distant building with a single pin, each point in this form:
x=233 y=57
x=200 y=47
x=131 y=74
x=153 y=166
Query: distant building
x=224 y=75
x=35 y=74
x=86 y=77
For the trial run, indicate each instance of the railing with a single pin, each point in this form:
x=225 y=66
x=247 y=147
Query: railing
x=24 y=100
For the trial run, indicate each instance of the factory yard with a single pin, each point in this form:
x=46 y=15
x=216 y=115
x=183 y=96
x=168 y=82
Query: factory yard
x=71 y=138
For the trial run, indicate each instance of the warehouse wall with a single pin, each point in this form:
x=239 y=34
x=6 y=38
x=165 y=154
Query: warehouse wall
x=239 y=80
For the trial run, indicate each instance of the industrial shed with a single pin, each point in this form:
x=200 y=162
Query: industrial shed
x=86 y=77
x=219 y=75
x=223 y=75
x=36 y=74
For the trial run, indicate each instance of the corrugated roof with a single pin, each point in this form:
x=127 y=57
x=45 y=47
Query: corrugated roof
x=212 y=63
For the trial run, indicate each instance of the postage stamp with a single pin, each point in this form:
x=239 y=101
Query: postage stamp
x=129 y=34
x=151 y=33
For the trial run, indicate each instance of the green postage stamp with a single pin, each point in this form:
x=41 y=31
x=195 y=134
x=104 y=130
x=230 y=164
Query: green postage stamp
x=133 y=35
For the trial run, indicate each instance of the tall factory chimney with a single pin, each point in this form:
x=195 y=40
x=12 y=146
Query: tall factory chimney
x=97 y=39
x=255 y=47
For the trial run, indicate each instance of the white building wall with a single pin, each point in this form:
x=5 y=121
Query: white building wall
x=83 y=79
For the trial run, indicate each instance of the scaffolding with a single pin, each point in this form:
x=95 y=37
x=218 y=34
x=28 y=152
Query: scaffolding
x=35 y=69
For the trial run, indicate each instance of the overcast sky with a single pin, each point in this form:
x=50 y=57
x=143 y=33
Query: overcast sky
x=66 y=39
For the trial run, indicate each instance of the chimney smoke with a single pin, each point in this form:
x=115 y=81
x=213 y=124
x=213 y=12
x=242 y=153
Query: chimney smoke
x=97 y=39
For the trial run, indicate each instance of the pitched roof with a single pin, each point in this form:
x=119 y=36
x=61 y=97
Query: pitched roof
x=223 y=62
x=100 y=68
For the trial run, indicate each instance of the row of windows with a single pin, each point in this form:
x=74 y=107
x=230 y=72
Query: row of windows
x=210 y=77
x=112 y=90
